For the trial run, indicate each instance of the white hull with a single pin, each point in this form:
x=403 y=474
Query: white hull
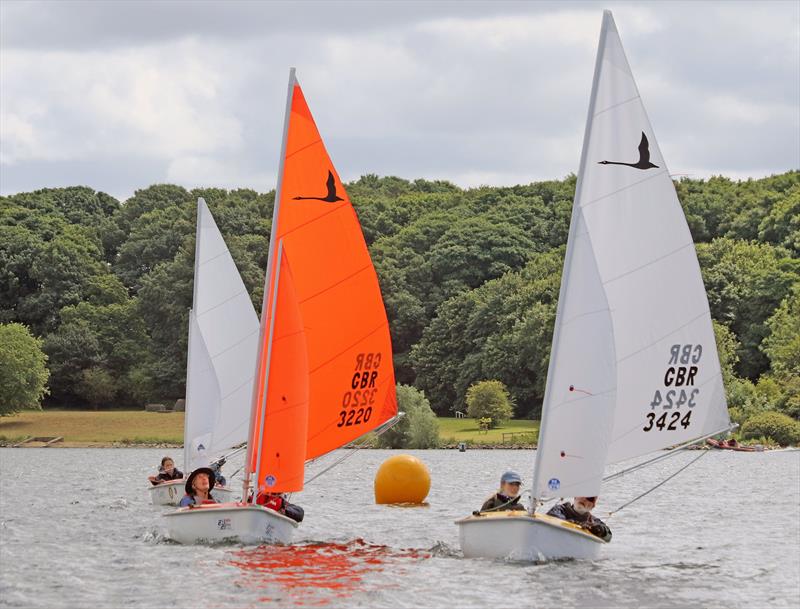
x=167 y=493
x=518 y=536
x=171 y=493
x=229 y=522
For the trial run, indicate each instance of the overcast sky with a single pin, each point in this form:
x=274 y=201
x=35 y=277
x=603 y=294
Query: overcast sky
x=121 y=95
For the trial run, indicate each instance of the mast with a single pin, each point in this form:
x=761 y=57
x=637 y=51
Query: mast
x=186 y=439
x=568 y=255
x=267 y=299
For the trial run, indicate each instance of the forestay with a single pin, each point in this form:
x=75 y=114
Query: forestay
x=223 y=340
x=634 y=365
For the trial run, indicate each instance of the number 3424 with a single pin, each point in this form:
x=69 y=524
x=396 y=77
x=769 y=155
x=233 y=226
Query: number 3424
x=667 y=421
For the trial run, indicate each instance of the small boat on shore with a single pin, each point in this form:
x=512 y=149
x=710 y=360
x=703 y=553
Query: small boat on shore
x=734 y=445
x=323 y=369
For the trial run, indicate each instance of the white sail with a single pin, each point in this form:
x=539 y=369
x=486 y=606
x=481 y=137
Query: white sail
x=634 y=366
x=223 y=340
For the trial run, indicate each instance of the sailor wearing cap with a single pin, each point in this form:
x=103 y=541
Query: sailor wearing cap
x=507 y=498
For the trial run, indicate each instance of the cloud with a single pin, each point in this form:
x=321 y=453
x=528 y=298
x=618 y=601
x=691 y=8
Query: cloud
x=128 y=94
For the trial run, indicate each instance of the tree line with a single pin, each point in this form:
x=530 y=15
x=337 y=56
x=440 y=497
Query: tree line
x=470 y=278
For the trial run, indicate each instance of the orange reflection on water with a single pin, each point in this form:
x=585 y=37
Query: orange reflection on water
x=316 y=574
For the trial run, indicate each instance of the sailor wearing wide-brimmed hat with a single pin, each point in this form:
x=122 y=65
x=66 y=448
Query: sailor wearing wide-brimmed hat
x=198 y=486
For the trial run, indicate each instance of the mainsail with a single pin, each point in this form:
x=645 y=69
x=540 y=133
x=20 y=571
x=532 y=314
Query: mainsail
x=223 y=340
x=320 y=287
x=634 y=365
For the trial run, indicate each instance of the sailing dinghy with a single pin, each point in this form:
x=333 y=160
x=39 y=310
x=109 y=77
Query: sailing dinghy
x=633 y=366
x=324 y=365
x=223 y=341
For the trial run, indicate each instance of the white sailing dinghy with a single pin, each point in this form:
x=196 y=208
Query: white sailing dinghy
x=223 y=342
x=634 y=365
x=324 y=366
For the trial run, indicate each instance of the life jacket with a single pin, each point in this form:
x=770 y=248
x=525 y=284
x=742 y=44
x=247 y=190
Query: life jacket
x=273 y=502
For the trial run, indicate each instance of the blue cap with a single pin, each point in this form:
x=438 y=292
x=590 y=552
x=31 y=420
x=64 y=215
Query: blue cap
x=510 y=476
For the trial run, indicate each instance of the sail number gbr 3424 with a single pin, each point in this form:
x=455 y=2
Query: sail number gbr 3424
x=359 y=400
x=678 y=391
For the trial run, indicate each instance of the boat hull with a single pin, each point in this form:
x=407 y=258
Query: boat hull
x=229 y=522
x=519 y=536
x=171 y=493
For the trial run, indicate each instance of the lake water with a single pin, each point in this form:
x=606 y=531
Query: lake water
x=77 y=530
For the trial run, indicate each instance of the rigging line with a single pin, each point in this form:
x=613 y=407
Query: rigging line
x=378 y=432
x=668 y=454
x=662 y=483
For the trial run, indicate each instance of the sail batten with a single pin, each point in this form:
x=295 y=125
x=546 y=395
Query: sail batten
x=647 y=370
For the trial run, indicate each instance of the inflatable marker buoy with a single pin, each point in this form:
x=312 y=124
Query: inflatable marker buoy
x=402 y=479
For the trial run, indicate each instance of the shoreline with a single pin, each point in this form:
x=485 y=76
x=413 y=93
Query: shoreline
x=68 y=444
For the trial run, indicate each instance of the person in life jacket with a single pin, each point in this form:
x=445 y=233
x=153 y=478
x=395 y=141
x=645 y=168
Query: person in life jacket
x=166 y=472
x=278 y=502
x=580 y=512
x=198 y=487
x=507 y=498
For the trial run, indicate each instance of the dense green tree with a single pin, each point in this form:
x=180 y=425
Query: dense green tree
x=745 y=282
x=501 y=330
x=489 y=400
x=23 y=369
x=418 y=428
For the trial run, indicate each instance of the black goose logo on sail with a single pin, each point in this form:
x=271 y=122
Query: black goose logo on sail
x=331 y=197
x=644 y=157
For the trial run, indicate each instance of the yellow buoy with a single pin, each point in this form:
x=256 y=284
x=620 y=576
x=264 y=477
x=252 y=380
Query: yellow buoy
x=402 y=479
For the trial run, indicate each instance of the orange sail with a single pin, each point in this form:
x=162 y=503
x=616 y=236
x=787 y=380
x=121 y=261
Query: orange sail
x=350 y=375
x=279 y=452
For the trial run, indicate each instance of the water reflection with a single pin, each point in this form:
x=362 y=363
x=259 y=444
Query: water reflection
x=317 y=574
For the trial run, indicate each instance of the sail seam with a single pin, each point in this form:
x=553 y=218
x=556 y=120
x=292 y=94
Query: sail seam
x=658 y=340
x=350 y=346
x=314 y=143
x=627 y=101
x=230 y=393
x=624 y=188
x=236 y=344
x=587 y=313
x=205 y=262
x=319 y=217
x=227 y=300
x=333 y=285
x=650 y=263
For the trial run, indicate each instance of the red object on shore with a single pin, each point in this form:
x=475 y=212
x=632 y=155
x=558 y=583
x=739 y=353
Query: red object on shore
x=733 y=445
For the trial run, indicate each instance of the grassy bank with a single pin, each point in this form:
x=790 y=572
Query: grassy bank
x=90 y=427
x=87 y=427
x=453 y=431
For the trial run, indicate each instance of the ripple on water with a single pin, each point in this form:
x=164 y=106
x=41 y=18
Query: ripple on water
x=96 y=541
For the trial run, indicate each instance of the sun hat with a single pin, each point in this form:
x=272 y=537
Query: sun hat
x=510 y=476
x=199 y=470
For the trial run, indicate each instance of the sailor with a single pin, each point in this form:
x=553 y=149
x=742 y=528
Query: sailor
x=166 y=472
x=507 y=498
x=278 y=502
x=580 y=512
x=198 y=487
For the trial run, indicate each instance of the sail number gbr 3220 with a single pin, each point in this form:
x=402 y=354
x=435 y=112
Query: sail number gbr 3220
x=357 y=403
x=674 y=402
